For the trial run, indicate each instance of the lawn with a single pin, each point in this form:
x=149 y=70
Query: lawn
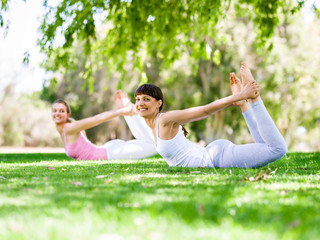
x=50 y=196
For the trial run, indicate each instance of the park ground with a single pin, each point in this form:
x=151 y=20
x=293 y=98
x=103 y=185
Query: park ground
x=50 y=196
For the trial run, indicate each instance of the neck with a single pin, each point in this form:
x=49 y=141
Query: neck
x=151 y=120
x=60 y=127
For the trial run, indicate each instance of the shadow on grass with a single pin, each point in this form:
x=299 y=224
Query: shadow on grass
x=37 y=157
x=32 y=157
x=212 y=202
x=150 y=187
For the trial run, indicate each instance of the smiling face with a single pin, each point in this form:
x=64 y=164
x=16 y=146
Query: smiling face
x=147 y=105
x=59 y=113
x=149 y=100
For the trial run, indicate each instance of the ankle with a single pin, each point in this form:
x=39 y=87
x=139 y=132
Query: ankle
x=244 y=107
x=256 y=99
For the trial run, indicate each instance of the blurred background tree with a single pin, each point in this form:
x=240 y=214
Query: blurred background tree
x=188 y=48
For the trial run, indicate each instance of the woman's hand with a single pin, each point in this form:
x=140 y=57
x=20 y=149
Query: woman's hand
x=128 y=110
x=250 y=90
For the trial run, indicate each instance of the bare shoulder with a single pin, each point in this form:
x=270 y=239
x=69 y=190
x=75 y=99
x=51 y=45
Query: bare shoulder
x=69 y=127
x=167 y=118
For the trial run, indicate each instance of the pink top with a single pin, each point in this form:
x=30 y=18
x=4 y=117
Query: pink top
x=83 y=149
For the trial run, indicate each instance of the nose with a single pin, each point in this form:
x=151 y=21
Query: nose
x=139 y=103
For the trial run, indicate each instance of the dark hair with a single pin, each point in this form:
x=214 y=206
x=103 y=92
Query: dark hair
x=151 y=90
x=67 y=107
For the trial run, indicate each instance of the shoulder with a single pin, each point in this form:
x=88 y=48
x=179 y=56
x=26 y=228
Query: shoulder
x=162 y=117
x=167 y=118
x=68 y=128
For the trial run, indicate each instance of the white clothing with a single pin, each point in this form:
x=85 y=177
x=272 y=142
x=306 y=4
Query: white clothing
x=269 y=145
x=141 y=147
x=179 y=151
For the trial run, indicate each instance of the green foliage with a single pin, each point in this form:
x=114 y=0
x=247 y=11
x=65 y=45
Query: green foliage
x=26 y=57
x=170 y=27
x=188 y=48
x=50 y=196
x=191 y=81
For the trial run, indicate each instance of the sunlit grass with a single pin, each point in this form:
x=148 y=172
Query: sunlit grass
x=49 y=196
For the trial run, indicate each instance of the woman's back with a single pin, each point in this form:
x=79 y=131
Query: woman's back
x=83 y=149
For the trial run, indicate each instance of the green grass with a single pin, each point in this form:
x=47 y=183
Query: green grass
x=49 y=196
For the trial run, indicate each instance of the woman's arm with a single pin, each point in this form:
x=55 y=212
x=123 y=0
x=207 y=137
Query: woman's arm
x=90 y=122
x=179 y=117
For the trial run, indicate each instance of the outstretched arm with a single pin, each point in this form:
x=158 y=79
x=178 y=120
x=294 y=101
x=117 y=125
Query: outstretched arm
x=180 y=117
x=90 y=122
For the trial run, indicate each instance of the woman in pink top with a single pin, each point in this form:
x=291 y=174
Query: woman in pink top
x=78 y=146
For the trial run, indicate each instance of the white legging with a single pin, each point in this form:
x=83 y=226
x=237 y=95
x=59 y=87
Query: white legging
x=269 y=144
x=141 y=147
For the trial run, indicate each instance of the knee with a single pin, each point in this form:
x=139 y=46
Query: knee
x=281 y=150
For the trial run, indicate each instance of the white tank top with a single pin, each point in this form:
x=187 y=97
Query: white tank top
x=179 y=151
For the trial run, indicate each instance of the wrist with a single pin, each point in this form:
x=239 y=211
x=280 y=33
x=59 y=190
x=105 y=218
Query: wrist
x=239 y=96
x=120 y=111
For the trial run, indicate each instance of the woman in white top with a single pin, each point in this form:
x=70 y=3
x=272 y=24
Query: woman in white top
x=177 y=150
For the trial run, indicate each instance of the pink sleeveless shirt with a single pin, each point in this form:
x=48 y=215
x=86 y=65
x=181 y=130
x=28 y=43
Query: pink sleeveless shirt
x=83 y=149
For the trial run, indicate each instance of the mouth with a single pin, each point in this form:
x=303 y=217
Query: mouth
x=142 y=109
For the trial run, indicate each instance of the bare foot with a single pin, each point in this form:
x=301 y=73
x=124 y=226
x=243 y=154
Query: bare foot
x=246 y=77
x=236 y=87
x=117 y=98
x=122 y=101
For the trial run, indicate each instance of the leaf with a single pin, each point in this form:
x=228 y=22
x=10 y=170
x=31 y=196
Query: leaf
x=76 y=183
x=26 y=58
x=273 y=172
x=104 y=176
x=51 y=168
x=294 y=224
x=101 y=176
x=189 y=172
x=257 y=177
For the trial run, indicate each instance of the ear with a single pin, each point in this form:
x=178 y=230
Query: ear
x=159 y=103
x=68 y=115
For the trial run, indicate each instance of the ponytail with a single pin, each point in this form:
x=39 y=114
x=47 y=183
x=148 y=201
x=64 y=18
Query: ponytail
x=185 y=132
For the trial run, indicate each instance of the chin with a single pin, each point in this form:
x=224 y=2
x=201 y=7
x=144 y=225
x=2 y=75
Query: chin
x=143 y=114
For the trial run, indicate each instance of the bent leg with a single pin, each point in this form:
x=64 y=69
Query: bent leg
x=133 y=149
x=267 y=128
x=225 y=154
x=137 y=125
x=245 y=106
x=252 y=125
x=250 y=155
x=139 y=128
